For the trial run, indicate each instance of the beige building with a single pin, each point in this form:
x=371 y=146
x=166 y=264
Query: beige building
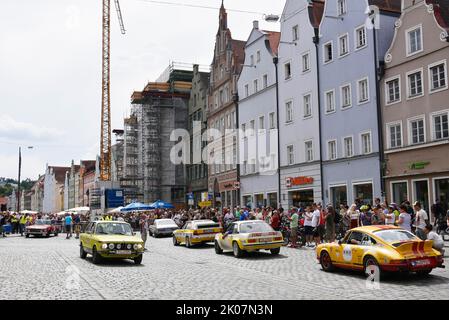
x=415 y=105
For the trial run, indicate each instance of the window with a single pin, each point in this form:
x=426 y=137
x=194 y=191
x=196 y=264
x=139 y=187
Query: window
x=244 y=129
x=348 y=147
x=287 y=71
x=295 y=33
x=341 y=7
x=328 y=54
x=252 y=166
x=265 y=81
x=393 y=91
x=245 y=165
x=395 y=135
x=305 y=62
x=262 y=123
x=438 y=76
x=309 y=150
x=415 y=88
x=290 y=155
x=332 y=150
x=330 y=101
x=258 y=56
x=416 y=130
x=363 y=91
x=256 y=86
x=272 y=120
x=360 y=37
x=251 y=127
x=246 y=91
x=343 y=46
x=440 y=126
x=289 y=111
x=366 y=143
x=414 y=40
x=252 y=59
x=307 y=106
x=346 y=96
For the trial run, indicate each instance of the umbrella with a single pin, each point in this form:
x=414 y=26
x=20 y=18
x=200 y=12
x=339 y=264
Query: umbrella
x=159 y=204
x=136 y=206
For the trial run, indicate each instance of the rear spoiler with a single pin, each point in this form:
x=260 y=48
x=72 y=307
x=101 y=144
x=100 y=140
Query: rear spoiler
x=414 y=247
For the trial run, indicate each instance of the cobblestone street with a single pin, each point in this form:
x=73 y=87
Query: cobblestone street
x=40 y=268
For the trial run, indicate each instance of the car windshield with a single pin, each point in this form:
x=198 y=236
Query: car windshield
x=255 y=227
x=40 y=221
x=114 y=228
x=165 y=222
x=392 y=236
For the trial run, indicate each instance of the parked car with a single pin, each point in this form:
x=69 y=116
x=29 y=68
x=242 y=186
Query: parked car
x=196 y=232
x=42 y=228
x=111 y=240
x=381 y=248
x=248 y=236
x=163 y=227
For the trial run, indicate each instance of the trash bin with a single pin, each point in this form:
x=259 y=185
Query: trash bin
x=7 y=228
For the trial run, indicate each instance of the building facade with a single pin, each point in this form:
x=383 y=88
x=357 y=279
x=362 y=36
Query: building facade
x=54 y=189
x=257 y=120
x=415 y=105
x=37 y=200
x=197 y=171
x=222 y=115
x=298 y=104
x=350 y=52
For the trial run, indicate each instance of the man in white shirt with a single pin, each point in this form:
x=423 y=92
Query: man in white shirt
x=315 y=224
x=438 y=243
x=422 y=220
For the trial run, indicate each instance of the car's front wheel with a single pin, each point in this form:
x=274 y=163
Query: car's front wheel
x=218 y=249
x=326 y=262
x=138 y=259
x=83 y=254
x=96 y=258
x=275 y=251
x=238 y=253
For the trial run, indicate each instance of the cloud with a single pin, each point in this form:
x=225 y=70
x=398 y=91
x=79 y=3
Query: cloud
x=23 y=131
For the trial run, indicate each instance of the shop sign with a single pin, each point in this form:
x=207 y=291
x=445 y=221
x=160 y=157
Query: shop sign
x=204 y=204
x=419 y=165
x=298 y=181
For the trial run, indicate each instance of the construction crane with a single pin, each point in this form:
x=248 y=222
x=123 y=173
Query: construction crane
x=105 y=143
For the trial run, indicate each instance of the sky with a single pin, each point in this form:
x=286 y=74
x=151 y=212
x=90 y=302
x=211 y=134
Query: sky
x=50 y=68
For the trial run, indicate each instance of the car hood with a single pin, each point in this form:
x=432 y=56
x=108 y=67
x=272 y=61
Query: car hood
x=41 y=226
x=118 y=238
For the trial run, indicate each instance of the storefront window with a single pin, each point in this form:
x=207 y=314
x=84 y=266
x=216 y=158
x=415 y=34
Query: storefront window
x=442 y=192
x=272 y=200
x=339 y=195
x=302 y=198
x=248 y=201
x=259 y=200
x=364 y=192
x=422 y=193
x=400 y=193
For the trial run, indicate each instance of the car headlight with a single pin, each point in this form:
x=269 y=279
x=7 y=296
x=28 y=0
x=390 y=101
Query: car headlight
x=104 y=246
x=137 y=246
x=111 y=246
x=119 y=246
x=129 y=247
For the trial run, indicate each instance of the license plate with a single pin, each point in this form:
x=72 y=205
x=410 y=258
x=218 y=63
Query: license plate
x=123 y=252
x=424 y=262
x=265 y=239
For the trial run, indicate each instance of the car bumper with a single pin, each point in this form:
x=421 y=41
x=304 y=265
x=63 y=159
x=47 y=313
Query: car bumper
x=412 y=266
x=203 y=238
x=110 y=254
x=265 y=246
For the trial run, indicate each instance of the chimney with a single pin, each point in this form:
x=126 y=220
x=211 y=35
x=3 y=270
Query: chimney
x=256 y=24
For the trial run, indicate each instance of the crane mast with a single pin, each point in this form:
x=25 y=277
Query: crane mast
x=105 y=143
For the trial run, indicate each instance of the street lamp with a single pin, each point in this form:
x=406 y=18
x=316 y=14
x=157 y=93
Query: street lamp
x=18 y=180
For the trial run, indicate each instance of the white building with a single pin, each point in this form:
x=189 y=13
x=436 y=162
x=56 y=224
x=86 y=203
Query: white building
x=257 y=119
x=298 y=100
x=53 y=185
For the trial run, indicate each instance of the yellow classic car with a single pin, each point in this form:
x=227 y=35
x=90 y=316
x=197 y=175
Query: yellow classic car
x=248 y=236
x=196 y=232
x=110 y=240
x=380 y=249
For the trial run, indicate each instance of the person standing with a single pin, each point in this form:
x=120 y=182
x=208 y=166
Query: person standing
x=330 y=224
x=294 y=221
x=422 y=220
x=2 y=223
x=275 y=221
x=405 y=220
x=390 y=217
x=22 y=223
x=77 y=224
x=316 y=219
x=68 y=221
x=354 y=215
x=144 y=227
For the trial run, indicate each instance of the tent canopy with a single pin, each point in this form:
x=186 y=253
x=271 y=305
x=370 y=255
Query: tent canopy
x=136 y=206
x=159 y=204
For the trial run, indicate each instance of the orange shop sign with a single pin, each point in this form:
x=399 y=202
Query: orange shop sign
x=298 y=181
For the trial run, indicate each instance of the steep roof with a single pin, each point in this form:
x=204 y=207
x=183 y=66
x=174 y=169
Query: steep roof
x=394 y=6
x=441 y=12
x=238 y=47
x=274 y=38
x=316 y=10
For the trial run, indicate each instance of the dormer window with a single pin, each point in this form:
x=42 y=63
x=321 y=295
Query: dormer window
x=341 y=4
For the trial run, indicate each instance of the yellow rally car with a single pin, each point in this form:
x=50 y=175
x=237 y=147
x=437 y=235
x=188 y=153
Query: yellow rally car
x=380 y=249
x=196 y=232
x=248 y=236
x=111 y=240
